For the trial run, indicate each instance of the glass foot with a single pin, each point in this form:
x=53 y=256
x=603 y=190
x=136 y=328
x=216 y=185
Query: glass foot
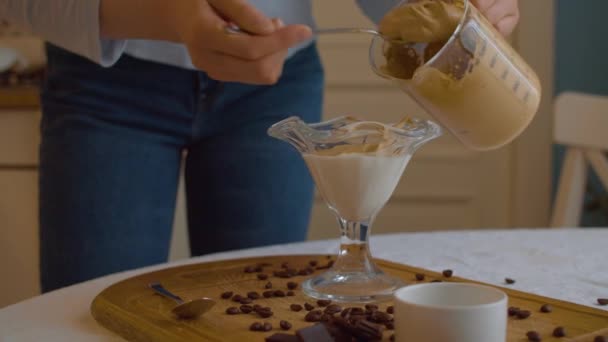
x=354 y=287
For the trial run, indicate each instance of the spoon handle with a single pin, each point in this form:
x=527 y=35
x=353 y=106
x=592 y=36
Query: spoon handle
x=339 y=30
x=164 y=292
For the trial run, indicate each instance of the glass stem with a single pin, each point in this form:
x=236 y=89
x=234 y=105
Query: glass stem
x=355 y=255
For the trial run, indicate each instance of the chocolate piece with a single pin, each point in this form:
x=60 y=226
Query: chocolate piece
x=267 y=326
x=323 y=302
x=308 y=307
x=292 y=285
x=546 y=308
x=513 y=311
x=314 y=333
x=419 y=276
x=262 y=276
x=256 y=326
x=246 y=308
x=249 y=269
x=232 y=310
x=281 y=337
x=559 y=332
x=246 y=300
x=227 y=295
x=279 y=293
x=332 y=309
x=523 y=314
x=368 y=330
x=600 y=339
x=602 y=301
x=313 y=316
x=296 y=307
x=268 y=285
x=237 y=298
x=285 y=325
x=390 y=310
x=268 y=294
x=447 y=273
x=509 y=281
x=290 y=293
x=533 y=335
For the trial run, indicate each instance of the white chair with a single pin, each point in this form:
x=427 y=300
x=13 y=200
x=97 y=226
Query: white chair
x=581 y=124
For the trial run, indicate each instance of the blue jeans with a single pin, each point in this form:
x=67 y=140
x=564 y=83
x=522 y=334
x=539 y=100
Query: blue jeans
x=112 y=142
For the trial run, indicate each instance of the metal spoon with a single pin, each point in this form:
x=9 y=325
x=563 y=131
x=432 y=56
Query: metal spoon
x=185 y=310
x=340 y=30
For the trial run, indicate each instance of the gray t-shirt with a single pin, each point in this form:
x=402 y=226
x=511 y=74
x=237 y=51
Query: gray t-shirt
x=74 y=25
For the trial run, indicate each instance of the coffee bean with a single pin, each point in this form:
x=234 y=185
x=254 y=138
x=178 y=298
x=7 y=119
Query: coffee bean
x=292 y=285
x=513 y=311
x=292 y=272
x=256 y=307
x=285 y=265
x=303 y=272
x=313 y=263
x=559 y=332
x=333 y=309
x=253 y=295
x=265 y=313
x=266 y=326
x=546 y=308
x=602 y=301
x=285 y=325
x=237 y=298
x=246 y=301
x=296 y=307
x=268 y=294
x=436 y=281
x=600 y=339
x=390 y=310
x=268 y=285
x=279 y=293
x=258 y=268
x=447 y=273
x=390 y=325
x=533 y=336
x=232 y=310
x=379 y=317
x=246 y=308
x=323 y=302
x=419 y=276
x=308 y=307
x=262 y=276
x=256 y=326
x=509 y=281
x=227 y=294
x=313 y=316
x=249 y=269
x=371 y=307
x=523 y=314
x=290 y=293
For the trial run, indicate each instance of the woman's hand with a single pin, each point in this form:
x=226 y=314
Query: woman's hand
x=255 y=58
x=503 y=14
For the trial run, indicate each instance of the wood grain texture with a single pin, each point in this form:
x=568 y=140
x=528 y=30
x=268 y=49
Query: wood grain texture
x=134 y=312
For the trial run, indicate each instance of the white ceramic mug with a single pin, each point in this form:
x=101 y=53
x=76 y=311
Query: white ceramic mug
x=454 y=312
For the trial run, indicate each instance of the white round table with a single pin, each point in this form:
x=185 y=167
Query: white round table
x=567 y=264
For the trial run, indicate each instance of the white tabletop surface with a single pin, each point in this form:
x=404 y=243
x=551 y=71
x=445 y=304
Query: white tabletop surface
x=567 y=264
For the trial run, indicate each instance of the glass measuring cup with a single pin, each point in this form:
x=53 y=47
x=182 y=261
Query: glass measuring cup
x=475 y=84
x=356 y=166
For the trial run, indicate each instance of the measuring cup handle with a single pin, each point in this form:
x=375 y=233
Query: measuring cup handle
x=164 y=292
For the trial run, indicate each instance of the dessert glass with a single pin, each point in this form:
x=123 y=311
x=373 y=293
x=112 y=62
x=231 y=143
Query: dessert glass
x=356 y=166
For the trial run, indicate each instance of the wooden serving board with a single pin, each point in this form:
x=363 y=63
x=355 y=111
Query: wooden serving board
x=134 y=312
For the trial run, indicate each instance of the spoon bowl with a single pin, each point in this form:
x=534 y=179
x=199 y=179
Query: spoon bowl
x=184 y=309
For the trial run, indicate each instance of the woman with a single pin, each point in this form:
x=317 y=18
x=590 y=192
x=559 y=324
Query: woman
x=133 y=84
